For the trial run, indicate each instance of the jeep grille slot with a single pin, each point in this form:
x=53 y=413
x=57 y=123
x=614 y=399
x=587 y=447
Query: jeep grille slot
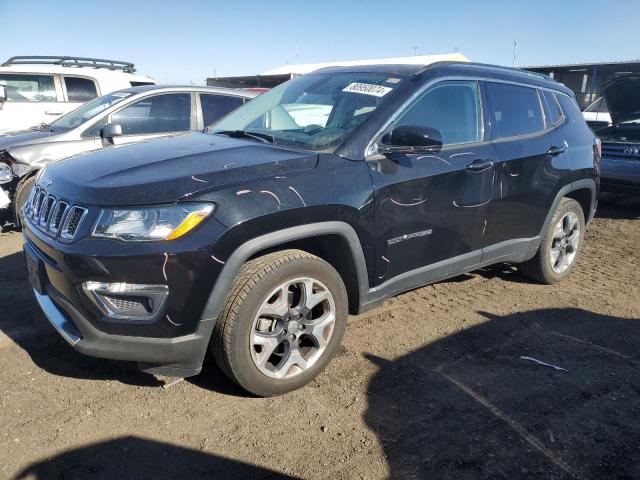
x=52 y=215
x=46 y=210
x=72 y=222
x=57 y=216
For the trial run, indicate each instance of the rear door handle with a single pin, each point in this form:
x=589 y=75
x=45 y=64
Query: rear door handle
x=49 y=112
x=479 y=164
x=556 y=150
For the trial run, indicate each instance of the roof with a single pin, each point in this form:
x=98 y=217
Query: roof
x=578 y=65
x=191 y=88
x=301 y=69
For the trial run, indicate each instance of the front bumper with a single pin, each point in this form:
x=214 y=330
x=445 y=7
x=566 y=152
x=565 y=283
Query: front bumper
x=619 y=175
x=179 y=356
x=176 y=343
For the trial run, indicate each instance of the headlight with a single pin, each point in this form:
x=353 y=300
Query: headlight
x=6 y=174
x=21 y=169
x=144 y=224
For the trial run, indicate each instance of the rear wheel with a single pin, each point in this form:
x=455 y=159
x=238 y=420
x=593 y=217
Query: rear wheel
x=282 y=322
x=560 y=245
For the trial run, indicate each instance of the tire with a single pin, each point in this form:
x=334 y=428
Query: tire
x=23 y=189
x=267 y=339
x=545 y=267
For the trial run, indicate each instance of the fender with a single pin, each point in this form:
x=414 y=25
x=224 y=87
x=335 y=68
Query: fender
x=232 y=266
x=577 y=185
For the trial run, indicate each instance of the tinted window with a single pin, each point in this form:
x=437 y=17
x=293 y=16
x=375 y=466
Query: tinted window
x=570 y=108
x=215 y=107
x=453 y=108
x=29 y=88
x=158 y=114
x=80 y=89
x=552 y=110
x=516 y=109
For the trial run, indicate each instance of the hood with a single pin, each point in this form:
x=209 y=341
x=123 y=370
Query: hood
x=623 y=98
x=166 y=170
x=22 y=137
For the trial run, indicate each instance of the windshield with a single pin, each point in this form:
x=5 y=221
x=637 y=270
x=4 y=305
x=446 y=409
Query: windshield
x=313 y=112
x=89 y=110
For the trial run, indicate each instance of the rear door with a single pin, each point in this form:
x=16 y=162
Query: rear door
x=78 y=90
x=431 y=208
x=531 y=164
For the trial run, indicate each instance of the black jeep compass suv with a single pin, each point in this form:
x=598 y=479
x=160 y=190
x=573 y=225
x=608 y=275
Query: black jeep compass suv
x=322 y=197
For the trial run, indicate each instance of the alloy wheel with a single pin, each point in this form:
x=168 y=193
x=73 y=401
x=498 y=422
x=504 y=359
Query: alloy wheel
x=292 y=328
x=565 y=243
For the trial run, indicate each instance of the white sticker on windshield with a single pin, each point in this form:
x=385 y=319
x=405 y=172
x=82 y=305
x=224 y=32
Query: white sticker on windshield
x=367 y=89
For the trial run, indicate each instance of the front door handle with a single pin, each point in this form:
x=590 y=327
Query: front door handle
x=556 y=150
x=479 y=165
x=50 y=112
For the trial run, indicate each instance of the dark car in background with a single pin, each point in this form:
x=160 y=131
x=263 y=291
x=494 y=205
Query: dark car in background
x=620 y=164
x=126 y=116
x=326 y=195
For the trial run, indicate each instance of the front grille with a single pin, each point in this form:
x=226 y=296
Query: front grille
x=53 y=215
x=623 y=151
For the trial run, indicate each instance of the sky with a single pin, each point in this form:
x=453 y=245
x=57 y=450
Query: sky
x=186 y=41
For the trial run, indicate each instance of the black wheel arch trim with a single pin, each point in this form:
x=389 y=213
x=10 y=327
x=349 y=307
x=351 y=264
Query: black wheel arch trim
x=585 y=183
x=249 y=248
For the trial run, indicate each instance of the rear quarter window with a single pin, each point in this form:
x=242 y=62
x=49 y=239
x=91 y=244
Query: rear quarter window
x=570 y=108
x=516 y=109
x=552 y=110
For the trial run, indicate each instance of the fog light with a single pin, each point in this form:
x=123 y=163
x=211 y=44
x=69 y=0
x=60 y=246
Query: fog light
x=129 y=302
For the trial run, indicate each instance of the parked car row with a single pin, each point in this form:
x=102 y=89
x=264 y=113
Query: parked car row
x=125 y=116
x=255 y=237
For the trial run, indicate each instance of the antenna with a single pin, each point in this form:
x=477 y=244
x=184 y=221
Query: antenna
x=515 y=47
x=415 y=51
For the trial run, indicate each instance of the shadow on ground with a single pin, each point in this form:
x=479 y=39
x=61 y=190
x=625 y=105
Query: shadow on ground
x=469 y=407
x=134 y=457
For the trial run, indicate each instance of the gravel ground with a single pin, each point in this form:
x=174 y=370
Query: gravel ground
x=429 y=385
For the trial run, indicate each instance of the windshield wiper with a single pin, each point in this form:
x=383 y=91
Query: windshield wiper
x=263 y=137
x=43 y=127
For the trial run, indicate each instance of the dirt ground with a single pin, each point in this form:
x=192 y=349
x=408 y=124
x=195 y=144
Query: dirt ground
x=429 y=385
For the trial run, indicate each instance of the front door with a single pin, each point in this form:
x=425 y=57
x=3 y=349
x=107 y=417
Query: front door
x=431 y=208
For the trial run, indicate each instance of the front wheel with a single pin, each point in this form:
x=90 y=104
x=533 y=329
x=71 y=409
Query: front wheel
x=23 y=190
x=560 y=245
x=282 y=322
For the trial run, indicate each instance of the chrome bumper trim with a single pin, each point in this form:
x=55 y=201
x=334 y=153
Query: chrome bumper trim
x=55 y=317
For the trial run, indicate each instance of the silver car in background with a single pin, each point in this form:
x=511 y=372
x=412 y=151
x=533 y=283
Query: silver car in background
x=126 y=116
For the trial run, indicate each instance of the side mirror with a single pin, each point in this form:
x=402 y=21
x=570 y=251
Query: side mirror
x=3 y=93
x=111 y=130
x=410 y=139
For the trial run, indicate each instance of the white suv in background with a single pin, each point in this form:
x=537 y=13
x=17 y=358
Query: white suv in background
x=36 y=90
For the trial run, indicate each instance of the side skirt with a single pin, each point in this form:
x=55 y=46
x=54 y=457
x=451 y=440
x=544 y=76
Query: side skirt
x=515 y=251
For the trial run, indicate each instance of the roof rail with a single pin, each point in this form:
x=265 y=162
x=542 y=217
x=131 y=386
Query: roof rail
x=487 y=65
x=71 y=62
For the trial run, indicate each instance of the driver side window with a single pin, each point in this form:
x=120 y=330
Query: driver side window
x=452 y=108
x=158 y=114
